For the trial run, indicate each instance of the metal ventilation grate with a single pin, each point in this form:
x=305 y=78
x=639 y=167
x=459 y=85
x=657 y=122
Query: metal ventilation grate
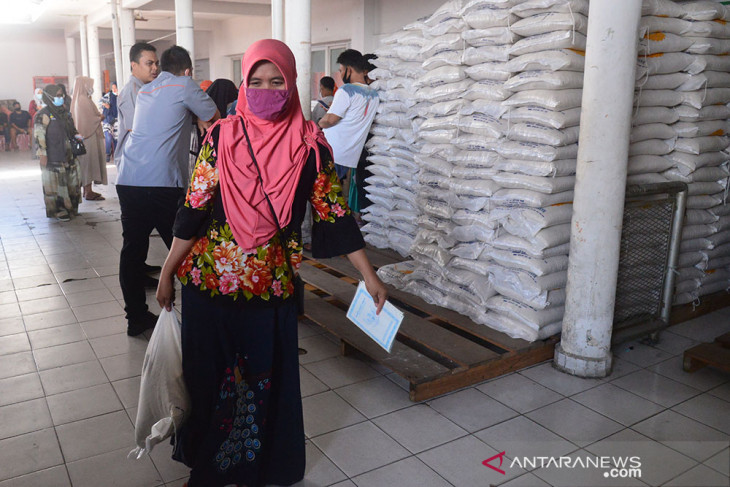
x=649 y=227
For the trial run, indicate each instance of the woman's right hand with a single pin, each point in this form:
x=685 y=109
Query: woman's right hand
x=166 y=292
x=44 y=161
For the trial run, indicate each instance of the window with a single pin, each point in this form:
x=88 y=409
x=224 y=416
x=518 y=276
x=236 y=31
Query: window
x=324 y=63
x=236 y=78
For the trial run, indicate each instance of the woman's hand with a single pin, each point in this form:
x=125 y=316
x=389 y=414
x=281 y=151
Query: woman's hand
x=377 y=290
x=166 y=292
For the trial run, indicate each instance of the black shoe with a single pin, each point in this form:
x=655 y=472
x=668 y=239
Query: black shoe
x=151 y=269
x=136 y=326
x=150 y=282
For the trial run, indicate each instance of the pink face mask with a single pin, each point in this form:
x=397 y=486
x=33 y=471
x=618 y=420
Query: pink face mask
x=267 y=104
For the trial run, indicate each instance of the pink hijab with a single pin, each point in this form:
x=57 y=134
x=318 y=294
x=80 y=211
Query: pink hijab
x=281 y=147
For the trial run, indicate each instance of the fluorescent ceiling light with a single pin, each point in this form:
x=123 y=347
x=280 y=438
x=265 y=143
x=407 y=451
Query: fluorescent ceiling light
x=20 y=11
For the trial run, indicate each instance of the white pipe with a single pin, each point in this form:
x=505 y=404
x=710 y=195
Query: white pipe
x=71 y=60
x=127 y=34
x=298 y=31
x=184 y=26
x=95 y=61
x=605 y=123
x=277 y=19
x=117 y=42
x=84 y=39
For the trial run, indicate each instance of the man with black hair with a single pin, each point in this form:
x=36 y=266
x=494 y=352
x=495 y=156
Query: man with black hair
x=20 y=122
x=153 y=171
x=347 y=123
x=145 y=68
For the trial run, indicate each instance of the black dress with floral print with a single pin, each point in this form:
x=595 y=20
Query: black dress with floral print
x=218 y=267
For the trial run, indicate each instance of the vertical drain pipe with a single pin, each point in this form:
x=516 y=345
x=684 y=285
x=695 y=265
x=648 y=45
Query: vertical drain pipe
x=605 y=124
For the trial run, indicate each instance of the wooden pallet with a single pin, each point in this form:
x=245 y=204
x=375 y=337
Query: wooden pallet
x=716 y=354
x=436 y=350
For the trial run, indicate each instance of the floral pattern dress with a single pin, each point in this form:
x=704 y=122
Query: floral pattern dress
x=239 y=329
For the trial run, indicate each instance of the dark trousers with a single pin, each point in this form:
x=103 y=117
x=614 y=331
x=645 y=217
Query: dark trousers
x=143 y=209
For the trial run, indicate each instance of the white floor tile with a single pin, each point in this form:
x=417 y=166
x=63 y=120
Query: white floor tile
x=683 y=434
x=49 y=319
x=309 y=384
x=72 y=377
x=720 y=462
x=320 y=470
x=460 y=463
x=68 y=354
x=709 y=410
x=375 y=397
x=519 y=393
x=567 y=385
x=700 y=475
x=656 y=388
x=703 y=379
x=327 y=412
x=11 y=326
x=81 y=404
x=574 y=422
x=640 y=354
x=51 y=477
x=58 y=335
x=471 y=409
x=583 y=477
x=24 y=417
x=419 y=428
x=341 y=371
x=22 y=455
x=20 y=388
x=16 y=364
x=410 y=472
x=93 y=436
x=360 y=448
x=114 y=468
x=659 y=463
x=618 y=404
x=522 y=437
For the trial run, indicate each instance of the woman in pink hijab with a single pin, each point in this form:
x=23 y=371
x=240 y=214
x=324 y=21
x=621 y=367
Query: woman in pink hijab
x=236 y=250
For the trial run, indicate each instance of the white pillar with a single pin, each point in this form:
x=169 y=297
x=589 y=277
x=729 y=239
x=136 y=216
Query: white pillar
x=608 y=92
x=184 y=26
x=118 y=64
x=298 y=32
x=71 y=60
x=277 y=19
x=84 y=49
x=128 y=35
x=95 y=61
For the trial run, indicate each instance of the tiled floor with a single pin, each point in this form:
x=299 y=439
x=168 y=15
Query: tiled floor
x=69 y=380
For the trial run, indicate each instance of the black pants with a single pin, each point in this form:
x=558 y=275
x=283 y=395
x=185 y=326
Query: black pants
x=143 y=209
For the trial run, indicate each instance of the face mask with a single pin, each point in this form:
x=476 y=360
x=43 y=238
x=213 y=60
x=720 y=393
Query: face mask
x=58 y=101
x=39 y=96
x=17 y=109
x=346 y=78
x=267 y=104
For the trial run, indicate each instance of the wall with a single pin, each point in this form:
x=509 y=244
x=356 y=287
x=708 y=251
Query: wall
x=231 y=40
x=24 y=54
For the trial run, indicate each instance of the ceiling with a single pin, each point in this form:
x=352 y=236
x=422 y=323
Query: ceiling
x=150 y=14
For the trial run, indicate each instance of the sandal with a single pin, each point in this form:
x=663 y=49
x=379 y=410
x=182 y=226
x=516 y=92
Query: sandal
x=94 y=197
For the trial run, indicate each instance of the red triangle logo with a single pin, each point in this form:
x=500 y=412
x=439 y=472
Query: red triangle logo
x=501 y=458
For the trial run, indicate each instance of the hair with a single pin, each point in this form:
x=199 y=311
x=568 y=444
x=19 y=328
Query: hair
x=352 y=59
x=366 y=64
x=135 y=52
x=175 y=60
x=327 y=82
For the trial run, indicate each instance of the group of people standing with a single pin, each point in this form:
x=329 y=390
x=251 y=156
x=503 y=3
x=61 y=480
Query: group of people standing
x=67 y=177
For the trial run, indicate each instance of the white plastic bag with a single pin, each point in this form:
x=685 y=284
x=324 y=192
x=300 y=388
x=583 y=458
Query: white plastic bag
x=163 y=398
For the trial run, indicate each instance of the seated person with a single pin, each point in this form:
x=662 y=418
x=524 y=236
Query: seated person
x=20 y=122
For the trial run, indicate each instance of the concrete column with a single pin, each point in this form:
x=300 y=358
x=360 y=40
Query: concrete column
x=118 y=64
x=84 y=48
x=184 y=26
x=277 y=19
x=128 y=37
x=95 y=61
x=71 y=60
x=298 y=32
x=608 y=92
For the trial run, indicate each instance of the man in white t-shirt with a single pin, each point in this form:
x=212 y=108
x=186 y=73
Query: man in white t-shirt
x=347 y=123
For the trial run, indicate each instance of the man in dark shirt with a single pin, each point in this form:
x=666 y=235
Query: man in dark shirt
x=5 y=130
x=20 y=121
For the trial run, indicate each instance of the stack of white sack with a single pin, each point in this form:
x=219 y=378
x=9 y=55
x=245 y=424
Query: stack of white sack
x=683 y=86
x=532 y=211
x=393 y=212
x=446 y=189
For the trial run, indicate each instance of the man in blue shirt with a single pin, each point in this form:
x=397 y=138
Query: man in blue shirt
x=153 y=171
